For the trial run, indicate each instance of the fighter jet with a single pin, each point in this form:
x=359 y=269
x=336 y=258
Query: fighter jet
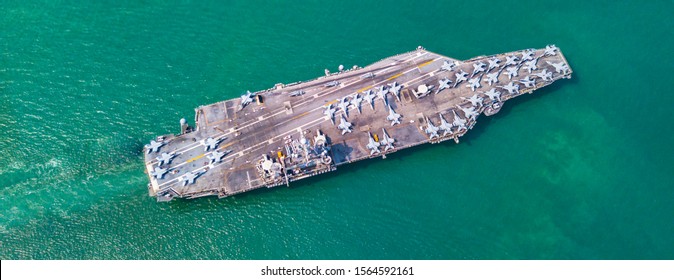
x=158 y=172
x=531 y=65
x=474 y=83
x=511 y=60
x=444 y=84
x=527 y=55
x=372 y=145
x=331 y=84
x=447 y=66
x=387 y=141
x=393 y=116
x=512 y=88
x=344 y=106
x=475 y=100
x=210 y=143
x=560 y=67
x=512 y=72
x=468 y=112
x=493 y=63
x=478 y=67
x=216 y=156
x=545 y=75
x=369 y=97
x=395 y=88
x=492 y=78
x=460 y=77
x=528 y=82
x=154 y=146
x=381 y=93
x=458 y=121
x=165 y=158
x=550 y=50
x=493 y=94
x=431 y=129
x=445 y=126
x=245 y=99
x=297 y=93
x=344 y=125
x=330 y=113
x=355 y=102
x=190 y=177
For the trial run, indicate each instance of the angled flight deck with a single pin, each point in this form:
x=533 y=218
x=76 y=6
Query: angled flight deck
x=290 y=132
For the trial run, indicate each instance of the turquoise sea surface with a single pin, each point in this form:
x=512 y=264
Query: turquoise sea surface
x=582 y=169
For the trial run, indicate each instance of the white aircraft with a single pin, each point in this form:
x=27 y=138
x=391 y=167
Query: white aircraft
x=190 y=177
x=447 y=66
x=468 y=112
x=458 y=121
x=460 y=77
x=478 y=67
x=344 y=106
x=545 y=75
x=217 y=156
x=246 y=98
x=492 y=78
x=512 y=88
x=395 y=89
x=511 y=60
x=474 y=83
x=493 y=63
x=531 y=65
x=381 y=93
x=475 y=100
x=330 y=113
x=158 y=172
x=369 y=97
x=344 y=125
x=372 y=145
x=527 y=55
x=165 y=158
x=493 y=94
x=210 y=143
x=393 y=116
x=550 y=50
x=444 y=84
x=560 y=67
x=512 y=72
x=387 y=141
x=445 y=126
x=431 y=129
x=528 y=82
x=355 y=102
x=154 y=146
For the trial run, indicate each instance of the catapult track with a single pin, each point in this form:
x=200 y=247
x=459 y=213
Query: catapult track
x=288 y=132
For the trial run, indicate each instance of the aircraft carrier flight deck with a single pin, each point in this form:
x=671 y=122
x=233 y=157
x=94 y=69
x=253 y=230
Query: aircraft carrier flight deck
x=294 y=131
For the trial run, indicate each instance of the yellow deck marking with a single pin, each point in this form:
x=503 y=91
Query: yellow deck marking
x=395 y=76
x=301 y=115
x=195 y=158
x=364 y=89
x=425 y=63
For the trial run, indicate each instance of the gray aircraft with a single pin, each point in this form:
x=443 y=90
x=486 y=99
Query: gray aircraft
x=458 y=121
x=492 y=78
x=386 y=141
x=445 y=126
x=493 y=63
x=165 y=158
x=331 y=84
x=444 y=84
x=355 y=102
x=297 y=93
x=158 y=172
x=447 y=66
x=393 y=117
x=475 y=100
x=531 y=65
x=344 y=106
x=395 y=88
x=528 y=82
x=210 y=143
x=372 y=145
x=512 y=88
x=246 y=99
x=369 y=97
x=460 y=77
x=469 y=112
x=512 y=72
x=474 y=83
x=154 y=146
x=217 y=156
x=344 y=125
x=191 y=176
x=493 y=94
x=560 y=67
x=545 y=75
x=550 y=50
x=478 y=67
x=527 y=55
x=330 y=113
x=511 y=60
x=381 y=93
x=431 y=129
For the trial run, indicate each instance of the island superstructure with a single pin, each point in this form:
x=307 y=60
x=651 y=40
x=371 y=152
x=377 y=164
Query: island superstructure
x=290 y=132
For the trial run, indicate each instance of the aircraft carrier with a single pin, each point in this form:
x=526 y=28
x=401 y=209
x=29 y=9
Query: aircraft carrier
x=293 y=131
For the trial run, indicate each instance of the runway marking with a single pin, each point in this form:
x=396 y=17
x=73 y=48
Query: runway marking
x=193 y=159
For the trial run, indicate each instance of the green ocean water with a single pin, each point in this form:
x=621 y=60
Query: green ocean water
x=582 y=169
